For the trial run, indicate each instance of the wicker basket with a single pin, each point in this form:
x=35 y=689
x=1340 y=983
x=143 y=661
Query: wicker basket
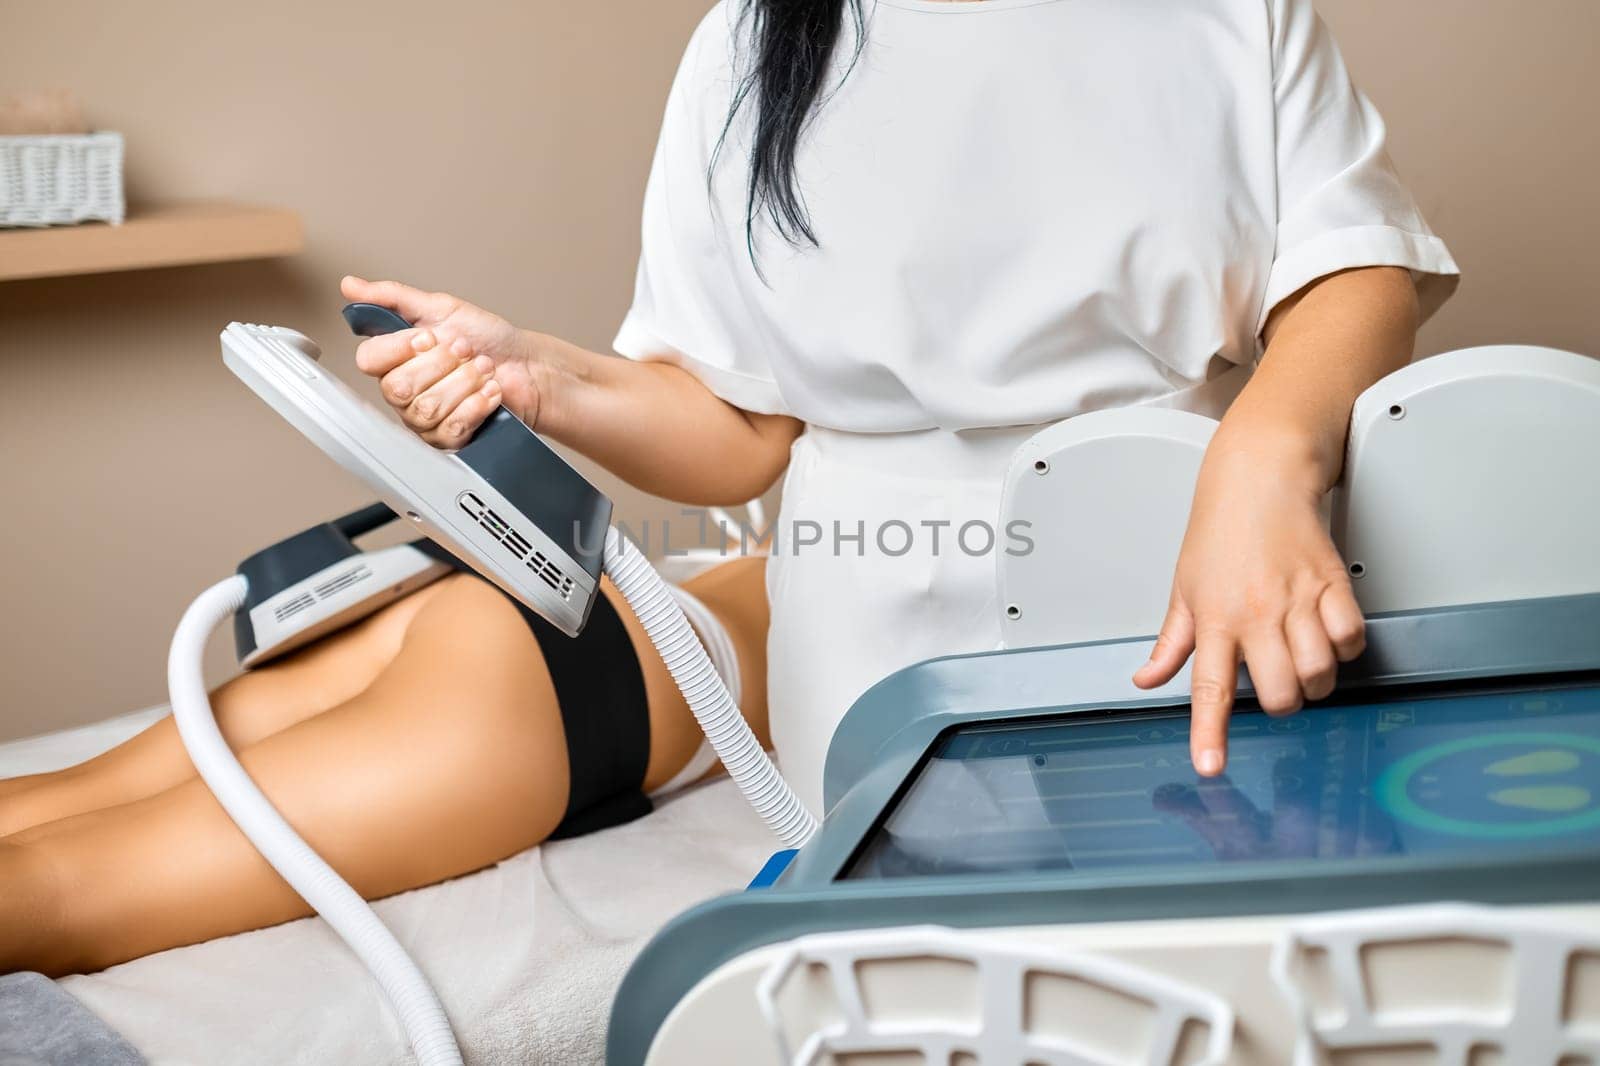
x=56 y=179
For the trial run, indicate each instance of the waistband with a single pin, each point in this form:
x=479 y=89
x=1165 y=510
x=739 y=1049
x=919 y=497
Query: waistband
x=983 y=454
x=967 y=454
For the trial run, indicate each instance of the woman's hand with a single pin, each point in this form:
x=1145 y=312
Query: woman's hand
x=1258 y=579
x=449 y=372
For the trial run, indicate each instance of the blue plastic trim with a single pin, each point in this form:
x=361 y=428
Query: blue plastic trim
x=773 y=870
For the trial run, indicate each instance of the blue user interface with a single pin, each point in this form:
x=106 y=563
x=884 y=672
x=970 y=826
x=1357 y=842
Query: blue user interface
x=1499 y=774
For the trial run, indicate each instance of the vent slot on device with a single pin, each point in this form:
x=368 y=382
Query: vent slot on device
x=293 y=607
x=342 y=581
x=516 y=544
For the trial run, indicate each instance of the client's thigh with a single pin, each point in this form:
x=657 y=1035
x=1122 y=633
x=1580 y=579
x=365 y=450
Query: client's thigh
x=248 y=708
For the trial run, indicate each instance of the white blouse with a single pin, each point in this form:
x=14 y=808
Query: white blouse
x=1027 y=209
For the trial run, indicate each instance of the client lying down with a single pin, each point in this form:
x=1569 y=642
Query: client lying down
x=448 y=731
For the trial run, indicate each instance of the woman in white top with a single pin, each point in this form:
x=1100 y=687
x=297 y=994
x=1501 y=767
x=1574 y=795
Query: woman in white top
x=916 y=230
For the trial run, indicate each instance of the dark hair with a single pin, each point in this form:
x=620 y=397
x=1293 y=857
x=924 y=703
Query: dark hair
x=792 y=44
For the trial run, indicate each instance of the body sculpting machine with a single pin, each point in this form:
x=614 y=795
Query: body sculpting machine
x=1017 y=864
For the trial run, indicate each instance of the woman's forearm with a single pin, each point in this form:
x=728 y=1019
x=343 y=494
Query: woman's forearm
x=655 y=425
x=652 y=424
x=1325 y=346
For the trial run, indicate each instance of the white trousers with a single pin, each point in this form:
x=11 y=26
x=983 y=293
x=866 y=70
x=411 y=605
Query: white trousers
x=885 y=555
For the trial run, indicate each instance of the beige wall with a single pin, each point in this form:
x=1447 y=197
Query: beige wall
x=498 y=150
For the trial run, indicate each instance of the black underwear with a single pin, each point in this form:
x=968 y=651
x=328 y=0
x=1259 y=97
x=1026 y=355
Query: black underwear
x=600 y=691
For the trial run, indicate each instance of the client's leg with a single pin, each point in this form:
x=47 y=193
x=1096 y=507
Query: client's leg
x=452 y=759
x=249 y=708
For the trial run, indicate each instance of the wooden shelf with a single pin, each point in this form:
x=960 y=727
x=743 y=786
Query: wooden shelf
x=154 y=235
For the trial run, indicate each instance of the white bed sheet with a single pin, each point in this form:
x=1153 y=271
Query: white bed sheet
x=526 y=955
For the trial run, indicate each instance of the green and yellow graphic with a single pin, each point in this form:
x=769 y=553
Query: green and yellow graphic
x=1498 y=786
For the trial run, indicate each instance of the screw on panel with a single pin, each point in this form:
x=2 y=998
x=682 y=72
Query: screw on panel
x=1357 y=569
x=1397 y=411
x=1013 y=612
x=1041 y=466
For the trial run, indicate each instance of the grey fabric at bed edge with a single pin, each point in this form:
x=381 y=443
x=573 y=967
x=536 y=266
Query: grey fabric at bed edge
x=40 y=1025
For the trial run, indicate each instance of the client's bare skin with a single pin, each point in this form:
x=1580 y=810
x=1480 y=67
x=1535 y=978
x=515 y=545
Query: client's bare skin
x=418 y=745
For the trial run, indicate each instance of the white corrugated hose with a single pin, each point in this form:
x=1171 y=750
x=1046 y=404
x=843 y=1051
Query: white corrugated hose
x=413 y=999
x=714 y=635
x=650 y=599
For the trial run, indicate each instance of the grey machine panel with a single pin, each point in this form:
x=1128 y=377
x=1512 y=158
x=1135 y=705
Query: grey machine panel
x=887 y=733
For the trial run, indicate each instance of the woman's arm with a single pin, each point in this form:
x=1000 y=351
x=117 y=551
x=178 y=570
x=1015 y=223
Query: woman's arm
x=1258 y=577
x=656 y=426
x=652 y=424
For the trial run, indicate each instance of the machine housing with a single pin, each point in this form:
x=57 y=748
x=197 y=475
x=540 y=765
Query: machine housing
x=1486 y=450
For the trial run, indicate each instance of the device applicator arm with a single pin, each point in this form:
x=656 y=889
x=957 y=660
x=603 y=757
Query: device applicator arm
x=713 y=706
x=669 y=630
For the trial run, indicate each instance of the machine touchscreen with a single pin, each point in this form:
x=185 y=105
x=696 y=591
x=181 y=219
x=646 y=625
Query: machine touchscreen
x=1496 y=775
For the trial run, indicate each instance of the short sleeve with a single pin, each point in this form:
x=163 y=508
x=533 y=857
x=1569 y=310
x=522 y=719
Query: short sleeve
x=688 y=307
x=1340 y=203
